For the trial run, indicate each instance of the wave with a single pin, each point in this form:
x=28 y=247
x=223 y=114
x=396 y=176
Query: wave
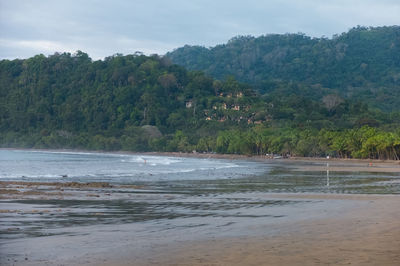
x=88 y=166
x=151 y=160
x=141 y=173
x=46 y=176
x=69 y=152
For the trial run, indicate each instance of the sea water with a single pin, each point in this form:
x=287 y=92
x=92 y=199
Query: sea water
x=195 y=174
x=166 y=194
x=66 y=166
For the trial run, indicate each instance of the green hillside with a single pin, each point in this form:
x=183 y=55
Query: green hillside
x=141 y=103
x=362 y=64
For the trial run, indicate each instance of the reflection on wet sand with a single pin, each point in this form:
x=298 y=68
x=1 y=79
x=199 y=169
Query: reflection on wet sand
x=147 y=216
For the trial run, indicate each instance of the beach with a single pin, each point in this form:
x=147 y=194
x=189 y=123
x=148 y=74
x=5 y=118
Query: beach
x=102 y=223
x=309 y=163
x=366 y=235
x=356 y=230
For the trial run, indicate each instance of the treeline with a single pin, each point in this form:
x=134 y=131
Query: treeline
x=364 y=142
x=146 y=103
x=363 y=63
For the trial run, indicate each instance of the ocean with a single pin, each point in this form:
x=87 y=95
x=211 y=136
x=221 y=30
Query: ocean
x=197 y=173
x=64 y=166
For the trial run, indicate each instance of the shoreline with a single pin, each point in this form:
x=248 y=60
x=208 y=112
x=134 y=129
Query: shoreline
x=255 y=228
x=209 y=155
x=304 y=164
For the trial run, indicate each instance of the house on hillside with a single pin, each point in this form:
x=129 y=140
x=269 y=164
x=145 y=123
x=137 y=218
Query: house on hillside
x=189 y=104
x=236 y=107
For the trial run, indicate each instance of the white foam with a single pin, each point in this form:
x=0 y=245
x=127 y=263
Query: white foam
x=151 y=160
x=17 y=176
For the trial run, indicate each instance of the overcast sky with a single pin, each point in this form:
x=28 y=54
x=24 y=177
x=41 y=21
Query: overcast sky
x=102 y=28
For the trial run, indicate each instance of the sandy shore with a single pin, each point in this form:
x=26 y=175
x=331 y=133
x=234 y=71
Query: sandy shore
x=342 y=165
x=334 y=229
x=366 y=235
x=337 y=229
x=305 y=163
x=302 y=163
x=296 y=163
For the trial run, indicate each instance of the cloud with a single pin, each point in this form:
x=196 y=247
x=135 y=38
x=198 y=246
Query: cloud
x=44 y=45
x=25 y=48
x=103 y=28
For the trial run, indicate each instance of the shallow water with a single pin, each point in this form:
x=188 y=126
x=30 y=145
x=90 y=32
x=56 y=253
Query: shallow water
x=162 y=174
x=188 y=197
x=114 y=168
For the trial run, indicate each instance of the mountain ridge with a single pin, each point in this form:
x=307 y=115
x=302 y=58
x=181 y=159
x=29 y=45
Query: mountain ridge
x=362 y=63
x=146 y=103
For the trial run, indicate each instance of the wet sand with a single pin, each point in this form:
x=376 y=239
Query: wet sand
x=369 y=235
x=336 y=229
x=347 y=165
x=307 y=163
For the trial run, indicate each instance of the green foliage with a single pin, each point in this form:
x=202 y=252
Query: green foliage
x=363 y=142
x=362 y=64
x=141 y=103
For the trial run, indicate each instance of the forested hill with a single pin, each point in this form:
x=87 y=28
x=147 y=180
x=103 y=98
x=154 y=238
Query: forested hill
x=363 y=63
x=74 y=93
x=121 y=102
x=145 y=103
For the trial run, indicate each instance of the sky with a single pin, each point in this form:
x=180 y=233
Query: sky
x=105 y=27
